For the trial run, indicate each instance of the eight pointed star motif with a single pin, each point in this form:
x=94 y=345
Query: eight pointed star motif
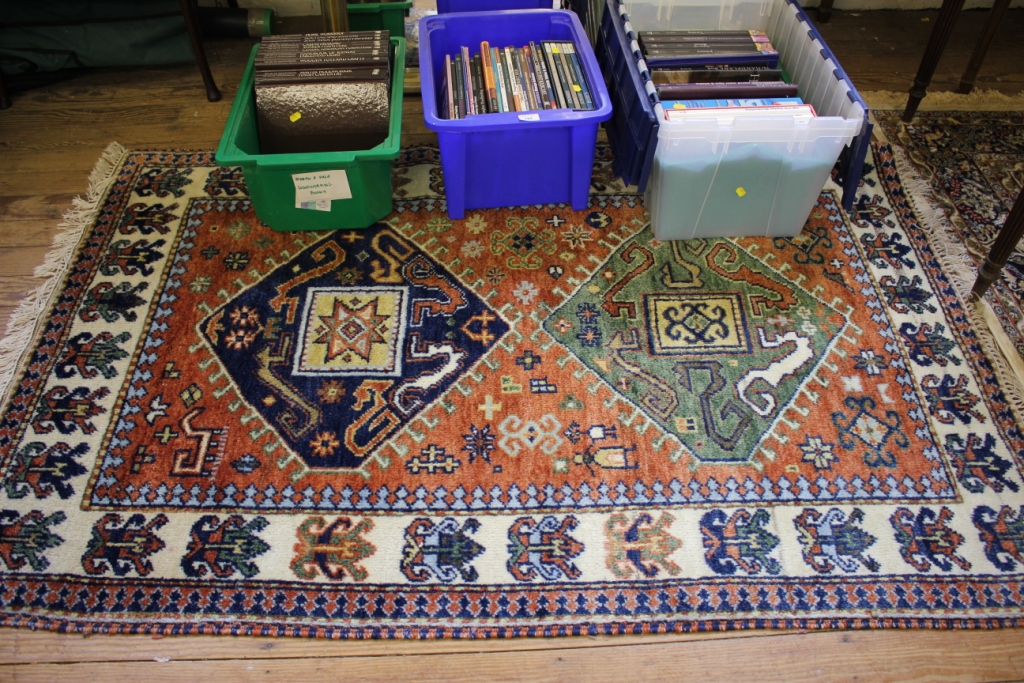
x=353 y=329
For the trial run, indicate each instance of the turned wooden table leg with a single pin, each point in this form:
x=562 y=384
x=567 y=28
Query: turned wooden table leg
x=948 y=14
x=974 y=66
x=1002 y=248
x=212 y=93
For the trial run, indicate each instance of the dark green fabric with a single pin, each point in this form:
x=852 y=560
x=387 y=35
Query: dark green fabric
x=49 y=35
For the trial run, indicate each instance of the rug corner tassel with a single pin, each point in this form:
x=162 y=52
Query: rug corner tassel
x=22 y=325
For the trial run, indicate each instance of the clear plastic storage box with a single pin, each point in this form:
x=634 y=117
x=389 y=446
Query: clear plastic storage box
x=749 y=176
x=511 y=158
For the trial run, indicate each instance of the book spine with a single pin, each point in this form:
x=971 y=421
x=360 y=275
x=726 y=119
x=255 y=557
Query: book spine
x=723 y=51
x=699 y=34
x=697 y=91
x=531 y=72
x=341 y=62
x=517 y=76
x=485 y=60
x=506 y=82
x=534 y=77
x=572 y=93
x=557 y=77
x=542 y=68
x=479 y=94
x=513 y=79
x=747 y=102
x=313 y=56
x=266 y=52
x=319 y=76
x=449 y=92
x=799 y=112
x=453 y=85
x=352 y=36
x=467 y=80
x=524 y=78
x=714 y=45
x=711 y=75
x=506 y=68
x=581 y=79
x=460 y=88
x=499 y=79
x=343 y=48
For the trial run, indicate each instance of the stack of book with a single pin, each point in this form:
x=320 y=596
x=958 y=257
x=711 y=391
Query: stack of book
x=538 y=76
x=701 y=64
x=323 y=92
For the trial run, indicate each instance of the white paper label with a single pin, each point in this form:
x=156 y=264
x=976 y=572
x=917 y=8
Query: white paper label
x=316 y=190
x=529 y=117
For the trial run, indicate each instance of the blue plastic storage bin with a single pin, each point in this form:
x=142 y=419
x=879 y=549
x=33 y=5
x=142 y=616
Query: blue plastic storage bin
x=511 y=158
x=633 y=128
x=448 y=6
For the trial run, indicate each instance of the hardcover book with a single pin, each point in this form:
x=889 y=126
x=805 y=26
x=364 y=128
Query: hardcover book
x=319 y=116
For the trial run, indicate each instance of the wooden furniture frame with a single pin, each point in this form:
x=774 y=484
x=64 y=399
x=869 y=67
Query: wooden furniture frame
x=1013 y=229
x=188 y=11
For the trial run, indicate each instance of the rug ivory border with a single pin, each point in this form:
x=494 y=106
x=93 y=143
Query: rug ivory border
x=22 y=327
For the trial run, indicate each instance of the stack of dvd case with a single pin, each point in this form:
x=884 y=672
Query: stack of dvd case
x=541 y=75
x=323 y=92
x=697 y=64
x=706 y=47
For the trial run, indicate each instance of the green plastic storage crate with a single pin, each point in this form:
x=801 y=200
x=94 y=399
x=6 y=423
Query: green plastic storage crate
x=377 y=16
x=269 y=176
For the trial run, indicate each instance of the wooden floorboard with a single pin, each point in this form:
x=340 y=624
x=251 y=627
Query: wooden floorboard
x=37 y=647
x=49 y=142
x=877 y=657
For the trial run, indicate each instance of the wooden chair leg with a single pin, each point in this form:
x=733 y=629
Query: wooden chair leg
x=948 y=14
x=189 y=12
x=1002 y=248
x=974 y=66
x=5 y=99
x=825 y=11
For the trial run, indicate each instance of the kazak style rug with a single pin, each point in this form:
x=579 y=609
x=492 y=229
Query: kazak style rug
x=974 y=163
x=533 y=421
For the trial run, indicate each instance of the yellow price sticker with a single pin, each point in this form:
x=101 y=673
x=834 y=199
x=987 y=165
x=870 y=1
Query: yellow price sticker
x=556 y=50
x=295 y=117
x=740 y=192
x=577 y=88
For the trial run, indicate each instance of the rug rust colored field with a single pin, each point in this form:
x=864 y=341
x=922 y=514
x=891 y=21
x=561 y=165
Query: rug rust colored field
x=534 y=421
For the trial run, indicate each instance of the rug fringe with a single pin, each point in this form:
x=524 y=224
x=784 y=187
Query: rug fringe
x=24 y=322
x=962 y=271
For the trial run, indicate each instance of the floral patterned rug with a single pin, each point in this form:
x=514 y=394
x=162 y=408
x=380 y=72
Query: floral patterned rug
x=533 y=421
x=974 y=163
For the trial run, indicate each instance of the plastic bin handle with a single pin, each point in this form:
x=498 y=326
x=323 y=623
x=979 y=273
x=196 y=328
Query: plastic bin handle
x=635 y=49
